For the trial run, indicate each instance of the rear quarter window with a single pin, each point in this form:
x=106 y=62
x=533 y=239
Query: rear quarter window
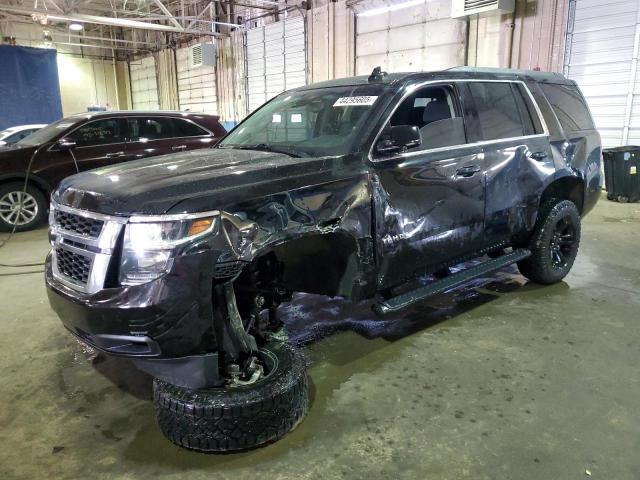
x=569 y=106
x=498 y=111
x=183 y=128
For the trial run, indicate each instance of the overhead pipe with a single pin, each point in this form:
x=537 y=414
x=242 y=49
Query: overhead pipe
x=99 y=20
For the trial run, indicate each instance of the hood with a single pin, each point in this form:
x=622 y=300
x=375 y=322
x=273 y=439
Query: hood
x=14 y=150
x=200 y=180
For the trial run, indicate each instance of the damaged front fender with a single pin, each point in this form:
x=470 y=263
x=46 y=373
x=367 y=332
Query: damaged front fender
x=305 y=223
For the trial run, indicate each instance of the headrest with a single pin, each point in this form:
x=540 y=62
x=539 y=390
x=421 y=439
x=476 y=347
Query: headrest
x=436 y=110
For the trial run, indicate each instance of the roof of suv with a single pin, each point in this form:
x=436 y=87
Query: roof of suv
x=128 y=113
x=456 y=72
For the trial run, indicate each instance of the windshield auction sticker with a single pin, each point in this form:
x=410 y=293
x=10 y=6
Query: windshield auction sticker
x=355 y=101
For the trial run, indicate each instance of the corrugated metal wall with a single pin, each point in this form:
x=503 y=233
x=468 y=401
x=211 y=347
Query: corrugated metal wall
x=276 y=59
x=144 y=85
x=196 y=85
x=531 y=38
x=602 y=56
x=231 y=78
x=420 y=37
x=330 y=41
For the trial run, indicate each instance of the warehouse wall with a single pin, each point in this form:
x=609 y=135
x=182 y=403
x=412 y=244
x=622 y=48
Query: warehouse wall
x=424 y=37
x=84 y=81
x=230 y=76
x=144 y=83
x=415 y=38
x=330 y=41
x=196 y=85
x=531 y=38
x=603 y=51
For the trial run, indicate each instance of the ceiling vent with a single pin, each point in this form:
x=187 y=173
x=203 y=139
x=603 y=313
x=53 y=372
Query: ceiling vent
x=202 y=55
x=463 y=8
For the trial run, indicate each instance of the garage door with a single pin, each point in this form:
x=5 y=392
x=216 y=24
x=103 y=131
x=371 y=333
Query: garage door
x=414 y=38
x=601 y=55
x=196 y=85
x=144 y=86
x=275 y=60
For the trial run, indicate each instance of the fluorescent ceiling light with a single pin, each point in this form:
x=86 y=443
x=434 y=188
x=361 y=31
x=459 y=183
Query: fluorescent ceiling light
x=75 y=26
x=390 y=8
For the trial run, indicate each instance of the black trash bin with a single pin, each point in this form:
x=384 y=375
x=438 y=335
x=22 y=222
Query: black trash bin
x=622 y=173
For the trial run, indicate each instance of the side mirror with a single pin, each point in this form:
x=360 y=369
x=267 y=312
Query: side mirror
x=65 y=144
x=399 y=139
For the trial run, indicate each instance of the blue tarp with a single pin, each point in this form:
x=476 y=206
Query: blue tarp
x=29 y=86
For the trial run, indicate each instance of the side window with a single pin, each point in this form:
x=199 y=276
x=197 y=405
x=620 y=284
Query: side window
x=435 y=112
x=498 y=113
x=16 y=137
x=569 y=106
x=99 y=132
x=528 y=115
x=150 y=128
x=183 y=128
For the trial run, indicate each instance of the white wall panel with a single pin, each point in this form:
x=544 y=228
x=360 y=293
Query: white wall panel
x=86 y=82
x=602 y=58
x=196 y=85
x=276 y=59
x=416 y=38
x=144 y=85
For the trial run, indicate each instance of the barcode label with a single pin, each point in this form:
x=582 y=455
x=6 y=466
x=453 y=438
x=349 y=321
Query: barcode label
x=355 y=101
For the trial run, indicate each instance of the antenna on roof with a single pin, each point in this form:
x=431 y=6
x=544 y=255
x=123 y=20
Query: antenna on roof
x=377 y=75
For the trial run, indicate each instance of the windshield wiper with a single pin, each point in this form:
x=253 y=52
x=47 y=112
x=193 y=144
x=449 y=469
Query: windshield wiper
x=263 y=147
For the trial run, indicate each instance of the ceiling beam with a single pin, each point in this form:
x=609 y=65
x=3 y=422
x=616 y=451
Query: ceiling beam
x=100 y=20
x=169 y=15
x=199 y=15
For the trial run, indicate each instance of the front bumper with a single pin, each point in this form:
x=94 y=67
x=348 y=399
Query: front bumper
x=169 y=317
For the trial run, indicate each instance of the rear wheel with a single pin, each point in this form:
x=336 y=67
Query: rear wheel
x=554 y=243
x=20 y=208
x=239 y=416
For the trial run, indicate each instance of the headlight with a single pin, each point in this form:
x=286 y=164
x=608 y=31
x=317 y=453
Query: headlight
x=148 y=246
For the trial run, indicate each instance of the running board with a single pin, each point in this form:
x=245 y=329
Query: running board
x=452 y=281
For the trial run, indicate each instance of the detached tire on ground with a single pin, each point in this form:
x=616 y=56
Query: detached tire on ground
x=554 y=243
x=240 y=417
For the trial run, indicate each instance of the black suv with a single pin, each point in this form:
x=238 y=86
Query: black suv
x=349 y=188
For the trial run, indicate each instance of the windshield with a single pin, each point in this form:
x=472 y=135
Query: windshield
x=47 y=133
x=6 y=133
x=319 y=122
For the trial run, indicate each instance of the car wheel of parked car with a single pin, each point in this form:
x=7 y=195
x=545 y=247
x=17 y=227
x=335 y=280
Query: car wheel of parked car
x=33 y=212
x=554 y=243
x=237 y=417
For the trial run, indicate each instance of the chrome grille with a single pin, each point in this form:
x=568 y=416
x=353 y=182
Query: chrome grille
x=83 y=243
x=78 y=224
x=73 y=265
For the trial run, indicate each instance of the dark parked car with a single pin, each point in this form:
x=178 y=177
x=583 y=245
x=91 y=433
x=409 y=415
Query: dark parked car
x=349 y=188
x=85 y=141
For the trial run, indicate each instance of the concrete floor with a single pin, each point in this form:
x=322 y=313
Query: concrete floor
x=499 y=380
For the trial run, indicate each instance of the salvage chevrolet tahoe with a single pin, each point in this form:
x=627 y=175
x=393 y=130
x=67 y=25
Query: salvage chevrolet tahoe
x=349 y=188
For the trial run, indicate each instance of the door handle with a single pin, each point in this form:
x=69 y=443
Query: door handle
x=538 y=156
x=179 y=147
x=115 y=155
x=467 y=171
